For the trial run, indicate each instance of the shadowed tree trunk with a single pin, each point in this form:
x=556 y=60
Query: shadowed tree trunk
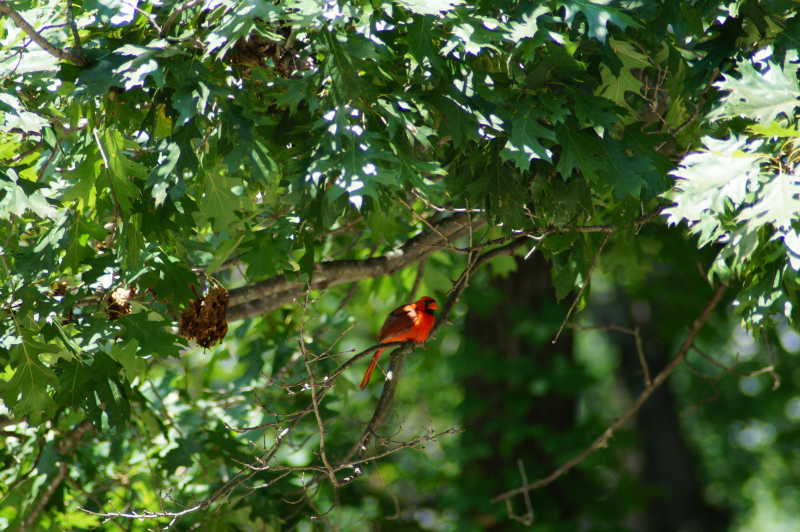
x=521 y=402
x=670 y=466
x=511 y=411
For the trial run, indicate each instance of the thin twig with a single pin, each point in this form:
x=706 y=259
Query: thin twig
x=412 y=295
x=586 y=281
x=320 y=425
x=642 y=359
x=526 y=518
x=637 y=339
x=701 y=100
x=602 y=440
x=175 y=14
x=384 y=406
x=776 y=379
x=437 y=208
x=429 y=225
x=76 y=38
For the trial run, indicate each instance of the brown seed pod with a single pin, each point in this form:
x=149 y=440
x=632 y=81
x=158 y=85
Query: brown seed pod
x=204 y=319
x=119 y=302
x=59 y=288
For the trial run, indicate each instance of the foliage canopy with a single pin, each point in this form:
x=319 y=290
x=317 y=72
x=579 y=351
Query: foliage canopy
x=310 y=163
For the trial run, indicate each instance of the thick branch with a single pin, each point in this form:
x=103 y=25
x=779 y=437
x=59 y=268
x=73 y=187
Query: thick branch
x=263 y=297
x=36 y=37
x=602 y=440
x=266 y=296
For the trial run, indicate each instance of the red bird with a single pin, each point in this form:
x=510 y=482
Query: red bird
x=409 y=322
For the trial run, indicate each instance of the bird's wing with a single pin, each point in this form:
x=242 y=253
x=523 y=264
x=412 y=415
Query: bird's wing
x=400 y=321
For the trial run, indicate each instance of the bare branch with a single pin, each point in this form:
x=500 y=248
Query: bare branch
x=320 y=424
x=36 y=37
x=526 y=518
x=445 y=238
x=602 y=440
x=384 y=406
x=776 y=379
x=636 y=336
x=412 y=295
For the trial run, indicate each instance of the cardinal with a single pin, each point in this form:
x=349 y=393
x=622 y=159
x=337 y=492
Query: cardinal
x=409 y=322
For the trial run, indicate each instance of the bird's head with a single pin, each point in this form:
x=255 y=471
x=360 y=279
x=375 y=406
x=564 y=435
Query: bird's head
x=427 y=304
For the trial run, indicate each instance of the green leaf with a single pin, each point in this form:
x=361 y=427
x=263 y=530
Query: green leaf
x=16 y=202
x=16 y=117
x=791 y=239
x=759 y=95
x=580 y=150
x=237 y=23
x=219 y=203
x=181 y=456
x=524 y=144
x=151 y=335
x=135 y=71
x=114 y=12
x=96 y=389
x=616 y=86
x=130 y=233
x=126 y=355
x=628 y=173
x=76 y=242
x=528 y=25
x=778 y=204
x=597 y=16
x=474 y=36
x=430 y=7
x=268 y=254
x=706 y=180
x=773 y=130
x=26 y=393
x=120 y=168
x=83 y=190
x=223 y=253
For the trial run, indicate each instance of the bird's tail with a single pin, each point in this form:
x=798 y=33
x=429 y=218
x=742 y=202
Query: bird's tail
x=372 y=365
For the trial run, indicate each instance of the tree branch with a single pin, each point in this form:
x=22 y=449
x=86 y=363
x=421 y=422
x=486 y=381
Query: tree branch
x=602 y=440
x=73 y=28
x=266 y=296
x=398 y=356
x=174 y=14
x=263 y=297
x=36 y=37
x=65 y=447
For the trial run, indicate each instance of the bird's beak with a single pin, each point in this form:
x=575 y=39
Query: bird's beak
x=433 y=306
